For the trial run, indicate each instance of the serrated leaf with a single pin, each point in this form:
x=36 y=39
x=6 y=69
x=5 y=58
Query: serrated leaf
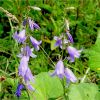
x=83 y=91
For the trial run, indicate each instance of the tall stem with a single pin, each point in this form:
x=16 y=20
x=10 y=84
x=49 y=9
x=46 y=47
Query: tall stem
x=47 y=56
x=84 y=77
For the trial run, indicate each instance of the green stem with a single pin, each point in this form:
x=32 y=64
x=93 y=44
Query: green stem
x=11 y=28
x=84 y=77
x=47 y=56
x=4 y=73
x=63 y=83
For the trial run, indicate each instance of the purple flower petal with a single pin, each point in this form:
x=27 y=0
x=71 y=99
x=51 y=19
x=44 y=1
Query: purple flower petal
x=58 y=41
x=33 y=25
x=27 y=51
x=19 y=88
x=35 y=43
x=23 y=66
x=73 y=52
x=70 y=38
x=30 y=87
x=20 y=37
x=36 y=26
x=28 y=75
x=24 y=22
x=69 y=75
x=59 y=71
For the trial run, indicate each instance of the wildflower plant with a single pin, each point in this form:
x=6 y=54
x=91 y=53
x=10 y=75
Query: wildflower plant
x=26 y=52
x=37 y=73
x=64 y=41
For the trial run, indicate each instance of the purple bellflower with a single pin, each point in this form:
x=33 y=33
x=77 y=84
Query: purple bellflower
x=25 y=72
x=70 y=75
x=73 y=52
x=58 y=41
x=23 y=66
x=35 y=43
x=59 y=71
x=32 y=24
x=70 y=38
x=19 y=88
x=20 y=37
x=27 y=51
x=23 y=69
x=29 y=77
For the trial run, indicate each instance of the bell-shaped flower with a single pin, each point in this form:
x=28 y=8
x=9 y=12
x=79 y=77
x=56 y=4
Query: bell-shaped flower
x=19 y=88
x=70 y=75
x=58 y=41
x=35 y=43
x=25 y=72
x=20 y=36
x=70 y=38
x=23 y=66
x=59 y=70
x=27 y=51
x=32 y=24
x=74 y=53
x=29 y=77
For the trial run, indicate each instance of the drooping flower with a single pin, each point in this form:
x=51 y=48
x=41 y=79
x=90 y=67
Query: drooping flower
x=32 y=24
x=29 y=77
x=70 y=75
x=20 y=36
x=27 y=51
x=70 y=38
x=74 y=53
x=25 y=72
x=23 y=66
x=58 y=41
x=35 y=43
x=19 y=88
x=59 y=70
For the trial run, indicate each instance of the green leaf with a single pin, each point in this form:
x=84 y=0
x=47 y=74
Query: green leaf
x=47 y=87
x=94 y=55
x=83 y=91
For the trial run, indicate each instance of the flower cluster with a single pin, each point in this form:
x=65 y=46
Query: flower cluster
x=61 y=72
x=63 y=41
x=26 y=52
